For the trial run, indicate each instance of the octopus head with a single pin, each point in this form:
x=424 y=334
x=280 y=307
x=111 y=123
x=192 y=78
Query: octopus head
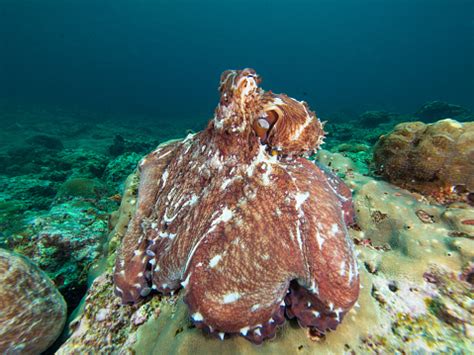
x=240 y=100
x=285 y=125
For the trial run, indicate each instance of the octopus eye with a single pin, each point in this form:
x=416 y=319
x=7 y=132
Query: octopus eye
x=264 y=124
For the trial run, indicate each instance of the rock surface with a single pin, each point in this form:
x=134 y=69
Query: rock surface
x=32 y=311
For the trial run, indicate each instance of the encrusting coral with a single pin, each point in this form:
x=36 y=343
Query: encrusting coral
x=32 y=311
x=435 y=159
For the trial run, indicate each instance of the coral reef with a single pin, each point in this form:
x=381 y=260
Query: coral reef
x=437 y=110
x=32 y=311
x=374 y=118
x=242 y=222
x=435 y=159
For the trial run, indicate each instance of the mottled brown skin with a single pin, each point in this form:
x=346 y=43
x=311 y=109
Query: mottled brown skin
x=242 y=221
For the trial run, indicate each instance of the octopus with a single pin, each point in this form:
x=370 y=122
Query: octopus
x=239 y=219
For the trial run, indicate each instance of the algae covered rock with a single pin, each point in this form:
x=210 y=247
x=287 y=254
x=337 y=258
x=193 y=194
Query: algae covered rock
x=435 y=159
x=32 y=311
x=436 y=110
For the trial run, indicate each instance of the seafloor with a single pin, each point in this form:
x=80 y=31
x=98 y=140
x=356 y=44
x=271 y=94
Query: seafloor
x=63 y=177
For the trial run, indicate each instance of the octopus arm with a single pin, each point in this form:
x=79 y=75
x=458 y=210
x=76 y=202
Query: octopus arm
x=238 y=275
x=130 y=275
x=331 y=286
x=342 y=191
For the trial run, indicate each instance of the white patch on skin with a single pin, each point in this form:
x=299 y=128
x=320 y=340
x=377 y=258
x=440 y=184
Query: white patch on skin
x=301 y=128
x=338 y=312
x=298 y=236
x=316 y=314
x=314 y=289
x=215 y=260
x=255 y=307
x=163 y=155
x=300 y=198
x=266 y=175
x=216 y=162
x=167 y=235
x=186 y=281
x=334 y=229
x=342 y=270
x=197 y=317
x=137 y=252
x=351 y=273
x=261 y=157
x=192 y=201
x=257 y=332
x=225 y=216
x=231 y=297
x=277 y=101
x=319 y=238
x=164 y=177
x=169 y=219
x=226 y=183
x=221 y=335
x=189 y=137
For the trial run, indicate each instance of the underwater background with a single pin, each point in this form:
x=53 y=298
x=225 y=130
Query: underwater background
x=162 y=57
x=87 y=88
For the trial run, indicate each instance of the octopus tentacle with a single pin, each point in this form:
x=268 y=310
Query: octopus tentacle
x=130 y=277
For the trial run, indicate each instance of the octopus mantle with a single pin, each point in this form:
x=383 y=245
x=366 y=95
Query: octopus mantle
x=243 y=222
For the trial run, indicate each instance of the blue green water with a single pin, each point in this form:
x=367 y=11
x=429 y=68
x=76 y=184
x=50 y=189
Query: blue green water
x=163 y=58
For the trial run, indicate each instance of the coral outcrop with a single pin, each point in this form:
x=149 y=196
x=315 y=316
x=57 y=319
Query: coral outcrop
x=32 y=311
x=434 y=159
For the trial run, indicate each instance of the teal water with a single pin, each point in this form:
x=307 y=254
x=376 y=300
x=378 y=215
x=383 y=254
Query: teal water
x=164 y=58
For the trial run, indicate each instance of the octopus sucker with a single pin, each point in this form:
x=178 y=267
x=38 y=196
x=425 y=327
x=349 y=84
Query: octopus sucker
x=238 y=220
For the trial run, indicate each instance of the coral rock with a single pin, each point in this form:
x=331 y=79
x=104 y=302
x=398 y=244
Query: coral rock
x=32 y=311
x=435 y=159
